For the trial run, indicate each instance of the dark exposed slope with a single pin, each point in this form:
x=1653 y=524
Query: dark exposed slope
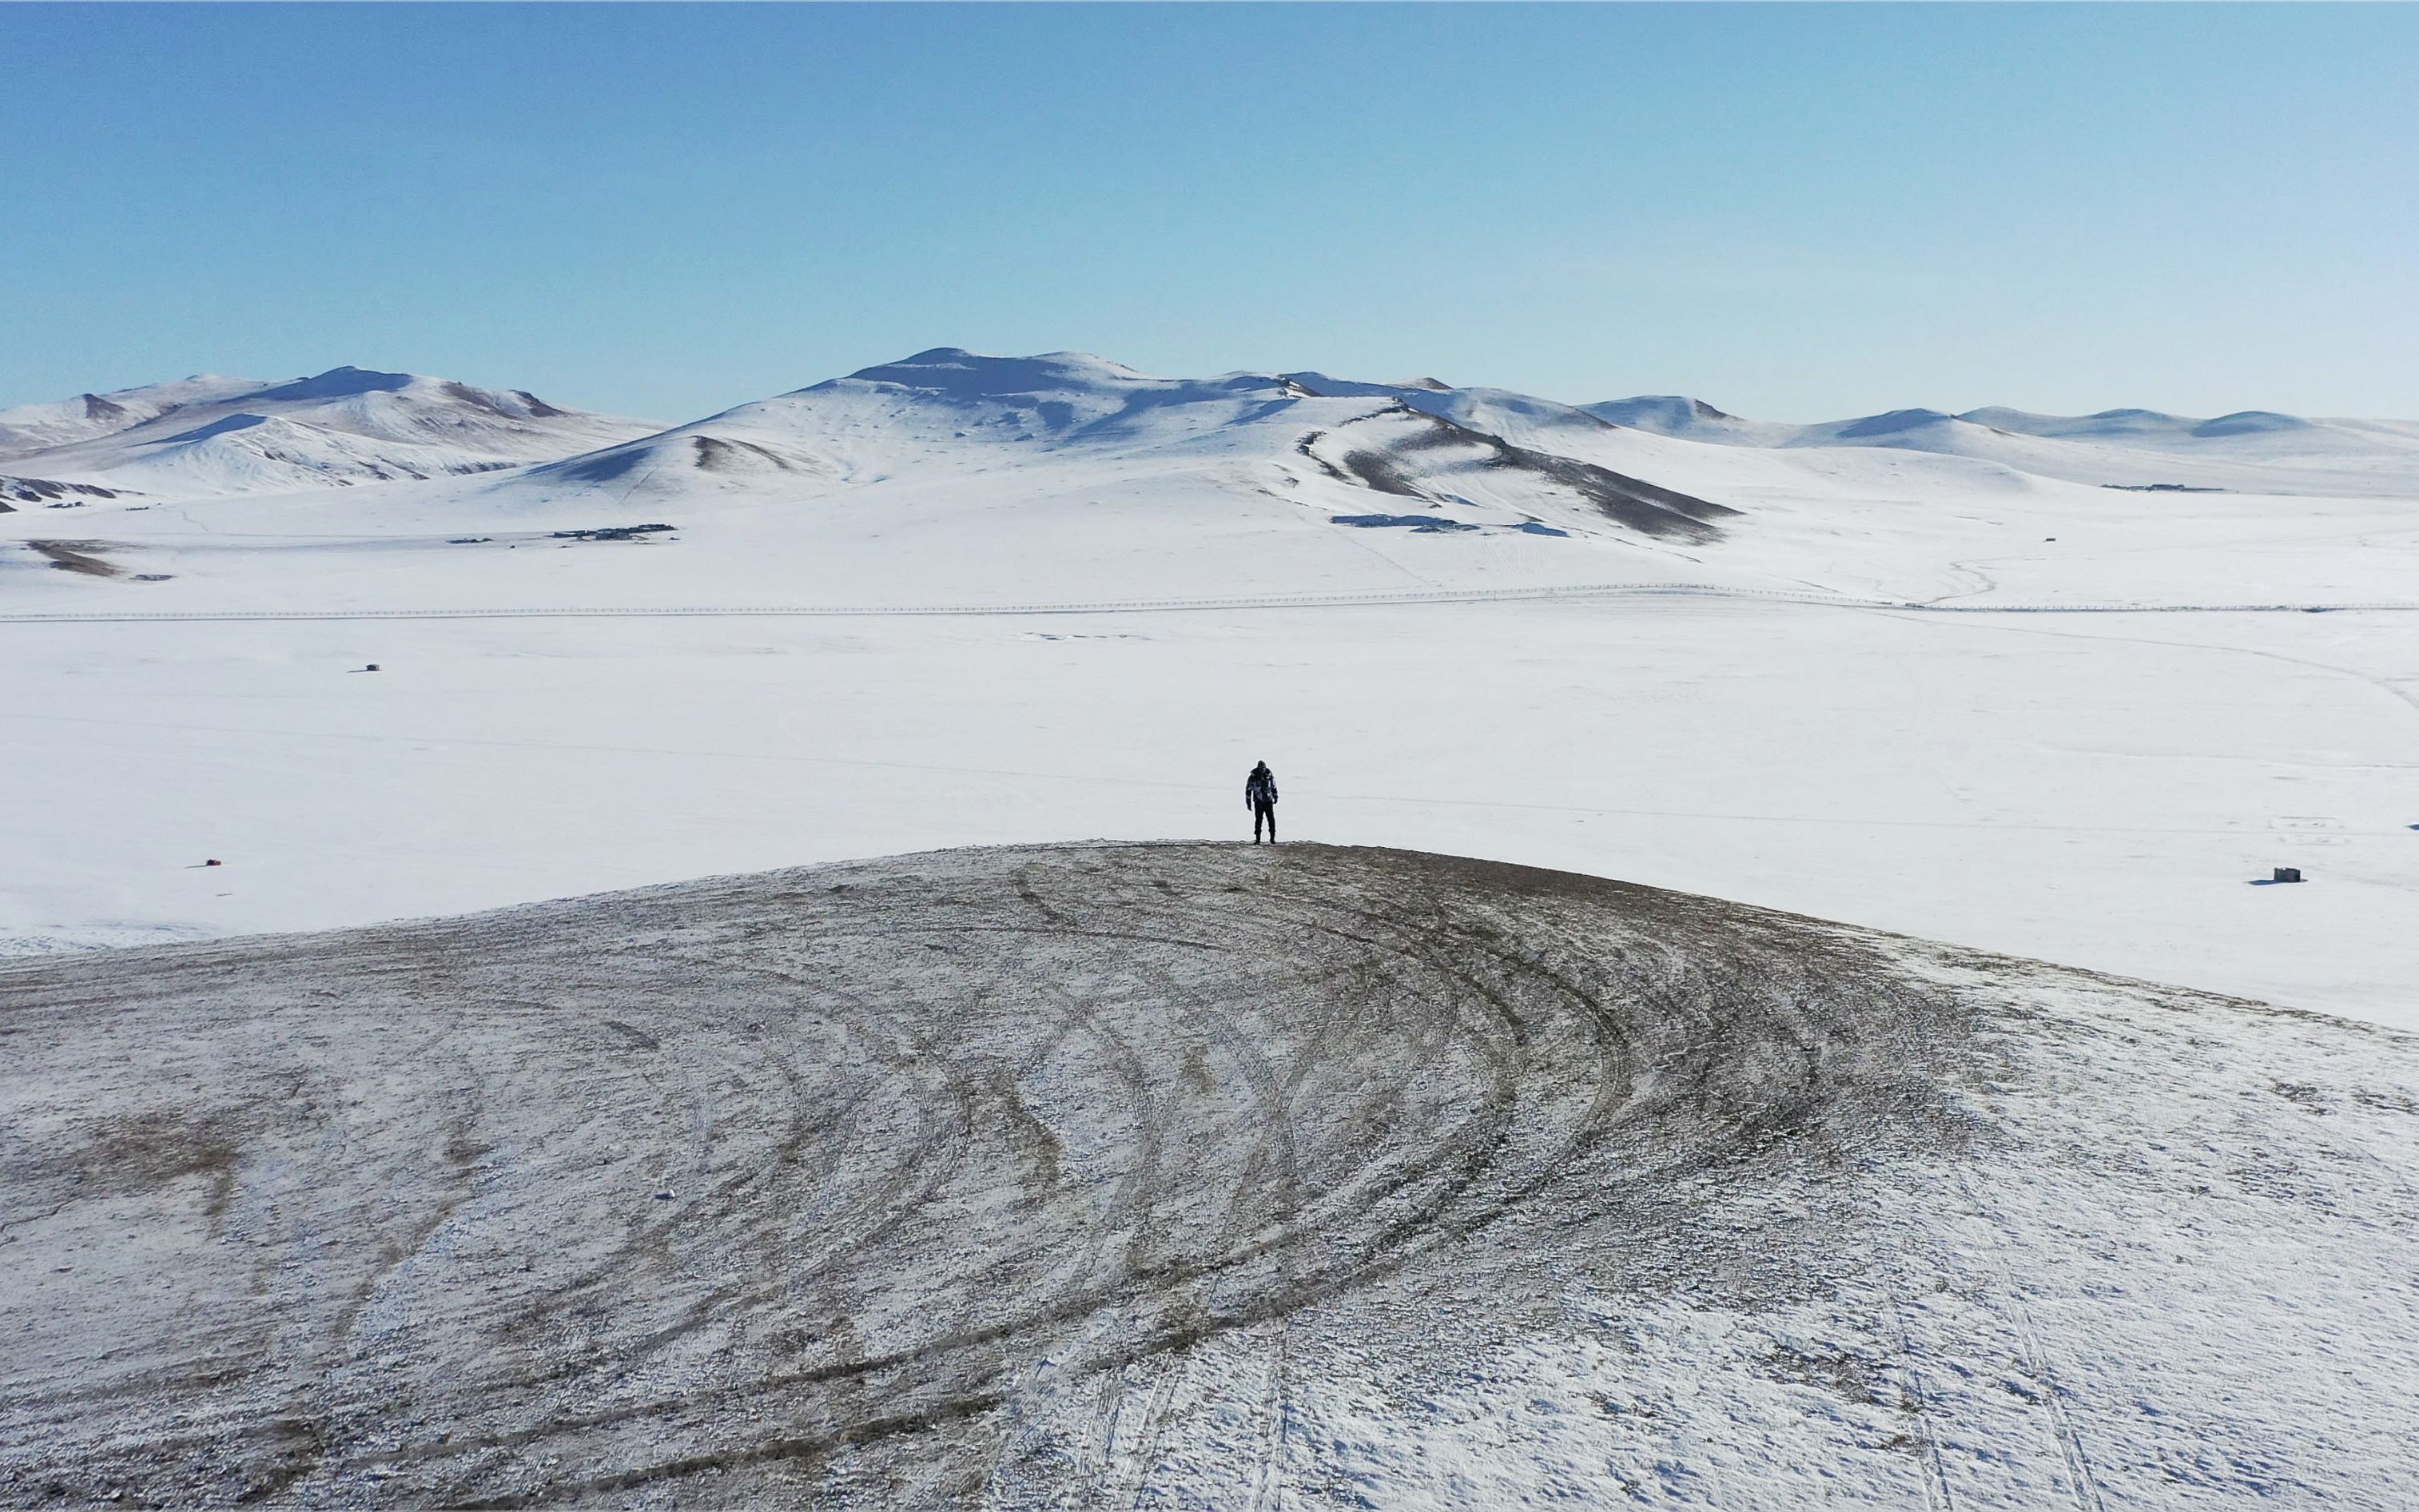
x=1415 y=455
x=48 y=490
x=673 y=454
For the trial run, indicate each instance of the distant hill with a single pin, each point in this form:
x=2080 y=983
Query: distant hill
x=1475 y=456
x=1496 y=457
x=2251 y=450
x=215 y=435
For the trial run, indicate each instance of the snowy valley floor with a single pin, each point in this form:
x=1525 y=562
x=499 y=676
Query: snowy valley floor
x=2106 y=790
x=1187 y=1175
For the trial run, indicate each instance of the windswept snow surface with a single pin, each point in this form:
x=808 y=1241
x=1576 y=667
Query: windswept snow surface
x=960 y=599
x=1190 y=1175
x=211 y=435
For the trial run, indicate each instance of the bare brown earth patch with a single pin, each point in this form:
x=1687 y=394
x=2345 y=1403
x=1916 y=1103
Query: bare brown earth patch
x=78 y=556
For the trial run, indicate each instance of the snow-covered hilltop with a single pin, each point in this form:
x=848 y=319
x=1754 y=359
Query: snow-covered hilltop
x=211 y=435
x=1457 y=456
x=1196 y=1175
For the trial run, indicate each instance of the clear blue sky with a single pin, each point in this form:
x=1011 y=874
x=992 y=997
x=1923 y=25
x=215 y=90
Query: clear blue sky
x=1797 y=212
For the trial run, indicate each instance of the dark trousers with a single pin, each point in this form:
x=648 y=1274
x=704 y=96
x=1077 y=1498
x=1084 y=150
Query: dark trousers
x=1267 y=811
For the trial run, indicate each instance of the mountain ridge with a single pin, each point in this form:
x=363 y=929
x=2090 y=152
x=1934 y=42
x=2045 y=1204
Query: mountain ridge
x=213 y=434
x=953 y=407
x=1482 y=458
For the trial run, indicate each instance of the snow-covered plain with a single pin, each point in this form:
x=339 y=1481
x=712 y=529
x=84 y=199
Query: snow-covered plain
x=1190 y=1176
x=1927 y=692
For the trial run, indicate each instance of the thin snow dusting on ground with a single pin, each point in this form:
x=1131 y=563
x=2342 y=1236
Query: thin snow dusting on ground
x=1192 y=1175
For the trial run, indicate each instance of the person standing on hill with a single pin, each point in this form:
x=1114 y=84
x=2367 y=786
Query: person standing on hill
x=1260 y=796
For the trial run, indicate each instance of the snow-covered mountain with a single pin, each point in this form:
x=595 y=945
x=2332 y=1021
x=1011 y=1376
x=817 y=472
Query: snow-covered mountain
x=211 y=435
x=35 y=427
x=1464 y=459
x=950 y=476
x=1478 y=457
x=1472 y=457
x=2251 y=450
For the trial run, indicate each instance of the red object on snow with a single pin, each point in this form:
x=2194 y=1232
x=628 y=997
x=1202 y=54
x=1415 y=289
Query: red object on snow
x=212 y=861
